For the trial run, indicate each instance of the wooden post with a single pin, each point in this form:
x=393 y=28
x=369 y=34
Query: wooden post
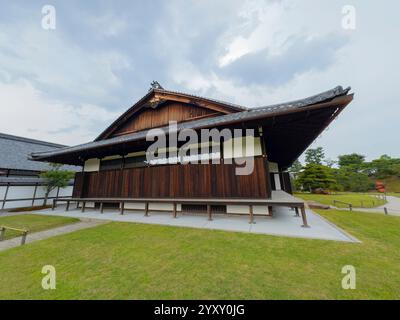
x=209 y=212
x=2 y=233
x=5 y=196
x=385 y=210
x=83 y=206
x=23 y=239
x=122 y=207
x=67 y=207
x=146 y=209
x=174 y=212
x=303 y=215
x=265 y=160
x=53 y=205
x=101 y=207
x=251 y=214
x=34 y=194
x=270 y=213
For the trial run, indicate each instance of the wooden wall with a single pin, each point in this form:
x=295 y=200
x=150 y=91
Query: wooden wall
x=152 y=118
x=174 y=181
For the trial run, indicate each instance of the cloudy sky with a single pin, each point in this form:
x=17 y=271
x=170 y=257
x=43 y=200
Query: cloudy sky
x=67 y=84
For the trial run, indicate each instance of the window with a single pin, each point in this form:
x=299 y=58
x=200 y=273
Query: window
x=135 y=162
x=110 y=164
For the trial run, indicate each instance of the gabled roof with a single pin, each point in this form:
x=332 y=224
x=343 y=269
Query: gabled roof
x=332 y=99
x=14 y=152
x=156 y=97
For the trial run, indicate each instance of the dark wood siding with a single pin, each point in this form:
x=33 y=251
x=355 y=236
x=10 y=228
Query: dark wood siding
x=78 y=185
x=152 y=118
x=175 y=181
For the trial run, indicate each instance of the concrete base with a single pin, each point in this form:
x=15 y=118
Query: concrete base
x=283 y=222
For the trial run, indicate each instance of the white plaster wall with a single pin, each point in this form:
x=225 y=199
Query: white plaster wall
x=2 y=192
x=236 y=147
x=112 y=157
x=153 y=206
x=243 y=209
x=66 y=192
x=161 y=206
x=135 y=154
x=18 y=204
x=258 y=210
x=18 y=192
x=135 y=206
x=237 y=209
x=90 y=205
x=92 y=165
x=277 y=182
x=26 y=192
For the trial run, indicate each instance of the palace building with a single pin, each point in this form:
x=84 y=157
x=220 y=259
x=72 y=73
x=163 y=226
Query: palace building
x=117 y=171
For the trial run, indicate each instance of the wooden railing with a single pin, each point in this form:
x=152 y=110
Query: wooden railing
x=3 y=233
x=345 y=203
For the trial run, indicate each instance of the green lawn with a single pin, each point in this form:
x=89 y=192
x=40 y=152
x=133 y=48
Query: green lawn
x=139 y=261
x=33 y=223
x=358 y=200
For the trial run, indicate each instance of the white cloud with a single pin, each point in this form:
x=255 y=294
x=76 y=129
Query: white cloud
x=26 y=112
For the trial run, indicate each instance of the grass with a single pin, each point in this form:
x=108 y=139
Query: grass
x=32 y=223
x=392 y=184
x=139 y=261
x=358 y=200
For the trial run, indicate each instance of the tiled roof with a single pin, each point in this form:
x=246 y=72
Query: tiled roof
x=14 y=152
x=248 y=114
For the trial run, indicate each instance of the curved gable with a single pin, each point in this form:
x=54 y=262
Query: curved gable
x=159 y=106
x=149 y=117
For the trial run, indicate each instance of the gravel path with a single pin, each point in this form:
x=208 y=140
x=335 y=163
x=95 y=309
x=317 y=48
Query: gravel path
x=392 y=206
x=41 y=235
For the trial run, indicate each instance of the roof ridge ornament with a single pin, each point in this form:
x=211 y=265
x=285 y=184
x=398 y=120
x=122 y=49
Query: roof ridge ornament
x=155 y=85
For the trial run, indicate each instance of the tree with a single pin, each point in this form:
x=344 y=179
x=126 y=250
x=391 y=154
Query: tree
x=316 y=176
x=350 y=180
x=330 y=163
x=383 y=167
x=353 y=160
x=55 y=178
x=295 y=168
x=315 y=156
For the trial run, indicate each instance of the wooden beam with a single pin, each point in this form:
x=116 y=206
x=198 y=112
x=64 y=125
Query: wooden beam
x=5 y=196
x=34 y=194
x=303 y=215
x=146 y=209
x=209 y=212
x=174 y=211
x=101 y=207
x=122 y=207
x=251 y=214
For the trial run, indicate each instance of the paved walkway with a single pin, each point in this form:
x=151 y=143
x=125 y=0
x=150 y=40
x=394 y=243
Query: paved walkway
x=392 y=206
x=41 y=235
x=284 y=222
